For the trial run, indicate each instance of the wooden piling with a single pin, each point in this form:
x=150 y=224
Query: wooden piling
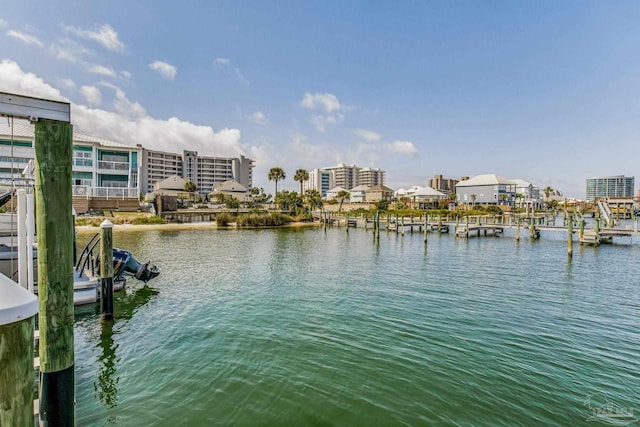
x=581 y=229
x=346 y=221
x=570 y=235
x=106 y=270
x=517 y=229
x=53 y=160
x=17 y=310
x=402 y=230
x=467 y=230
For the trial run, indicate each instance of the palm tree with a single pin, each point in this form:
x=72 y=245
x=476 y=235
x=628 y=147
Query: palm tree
x=313 y=199
x=342 y=196
x=276 y=174
x=473 y=199
x=301 y=175
x=547 y=193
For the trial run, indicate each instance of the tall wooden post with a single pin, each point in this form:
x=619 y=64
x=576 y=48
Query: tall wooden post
x=596 y=225
x=424 y=230
x=17 y=310
x=53 y=147
x=570 y=235
x=402 y=220
x=467 y=230
x=346 y=221
x=581 y=228
x=517 y=229
x=106 y=270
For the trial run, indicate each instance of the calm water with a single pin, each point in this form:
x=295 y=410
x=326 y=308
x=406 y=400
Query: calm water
x=307 y=327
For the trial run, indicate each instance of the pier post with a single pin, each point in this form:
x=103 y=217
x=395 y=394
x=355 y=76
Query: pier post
x=596 y=226
x=402 y=230
x=517 y=229
x=424 y=230
x=17 y=310
x=346 y=221
x=467 y=230
x=570 y=234
x=53 y=159
x=581 y=229
x=439 y=224
x=106 y=270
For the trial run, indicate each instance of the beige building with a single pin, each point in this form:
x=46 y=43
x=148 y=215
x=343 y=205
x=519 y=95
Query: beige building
x=379 y=192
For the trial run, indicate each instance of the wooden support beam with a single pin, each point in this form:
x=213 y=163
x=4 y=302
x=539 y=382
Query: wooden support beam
x=53 y=160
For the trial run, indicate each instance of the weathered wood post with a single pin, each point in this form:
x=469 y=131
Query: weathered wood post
x=467 y=230
x=439 y=224
x=581 y=228
x=346 y=221
x=596 y=226
x=424 y=230
x=402 y=230
x=106 y=270
x=570 y=235
x=517 y=229
x=53 y=159
x=17 y=310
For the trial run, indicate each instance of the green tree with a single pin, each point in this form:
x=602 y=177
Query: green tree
x=276 y=174
x=382 y=205
x=301 y=176
x=313 y=199
x=473 y=199
x=547 y=193
x=232 y=202
x=288 y=200
x=342 y=196
x=190 y=187
x=220 y=198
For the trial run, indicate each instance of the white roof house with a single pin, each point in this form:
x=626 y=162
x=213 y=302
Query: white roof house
x=333 y=193
x=358 y=194
x=487 y=189
x=428 y=193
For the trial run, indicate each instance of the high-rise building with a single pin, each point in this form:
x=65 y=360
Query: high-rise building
x=444 y=185
x=609 y=186
x=321 y=180
x=204 y=171
x=350 y=176
x=370 y=177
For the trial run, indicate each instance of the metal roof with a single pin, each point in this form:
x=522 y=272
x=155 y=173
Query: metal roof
x=23 y=130
x=487 y=179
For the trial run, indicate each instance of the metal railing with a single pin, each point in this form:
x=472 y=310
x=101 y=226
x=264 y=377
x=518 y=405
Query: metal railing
x=108 y=192
x=82 y=162
x=120 y=166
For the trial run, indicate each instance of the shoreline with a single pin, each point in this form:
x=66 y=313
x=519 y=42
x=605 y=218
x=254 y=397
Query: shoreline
x=192 y=225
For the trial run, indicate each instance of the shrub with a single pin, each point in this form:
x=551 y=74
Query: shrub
x=223 y=219
x=263 y=219
x=148 y=220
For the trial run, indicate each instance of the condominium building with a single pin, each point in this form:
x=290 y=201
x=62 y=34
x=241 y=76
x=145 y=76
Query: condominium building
x=320 y=180
x=100 y=168
x=609 y=186
x=350 y=176
x=370 y=177
x=205 y=172
x=444 y=185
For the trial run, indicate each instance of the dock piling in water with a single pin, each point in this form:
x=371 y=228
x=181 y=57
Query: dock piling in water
x=106 y=270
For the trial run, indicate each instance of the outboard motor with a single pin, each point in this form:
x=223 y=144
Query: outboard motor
x=125 y=263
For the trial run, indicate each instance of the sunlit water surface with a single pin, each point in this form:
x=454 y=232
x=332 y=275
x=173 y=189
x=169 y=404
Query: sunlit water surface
x=298 y=327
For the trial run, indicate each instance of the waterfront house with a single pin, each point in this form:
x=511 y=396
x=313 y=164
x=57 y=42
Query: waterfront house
x=333 y=193
x=426 y=198
x=231 y=188
x=488 y=189
x=378 y=192
x=527 y=195
x=358 y=194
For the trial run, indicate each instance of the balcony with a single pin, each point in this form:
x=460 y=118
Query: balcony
x=81 y=162
x=108 y=192
x=113 y=167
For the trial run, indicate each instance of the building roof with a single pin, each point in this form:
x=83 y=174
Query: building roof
x=379 y=187
x=230 y=186
x=487 y=179
x=428 y=191
x=360 y=188
x=22 y=130
x=174 y=182
x=520 y=183
x=337 y=189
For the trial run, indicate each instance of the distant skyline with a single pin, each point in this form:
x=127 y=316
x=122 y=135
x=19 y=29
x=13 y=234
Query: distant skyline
x=548 y=92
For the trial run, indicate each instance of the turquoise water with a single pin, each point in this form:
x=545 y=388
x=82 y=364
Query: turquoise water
x=306 y=327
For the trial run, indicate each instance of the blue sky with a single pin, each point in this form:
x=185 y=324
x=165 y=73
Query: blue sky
x=544 y=91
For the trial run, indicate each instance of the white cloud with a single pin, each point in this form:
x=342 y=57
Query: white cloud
x=403 y=147
x=14 y=80
x=259 y=118
x=322 y=123
x=125 y=74
x=225 y=64
x=166 y=70
x=104 y=34
x=129 y=124
x=99 y=69
x=92 y=94
x=25 y=38
x=68 y=83
x=69 y=50
x=367 y=135
x=221 y=62
x=321 y=101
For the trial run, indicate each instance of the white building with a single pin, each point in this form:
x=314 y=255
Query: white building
x=320 y=180
x=370 y=177
x=358 y=194
x=527 y=195
x=350 y=176
x=489 y=189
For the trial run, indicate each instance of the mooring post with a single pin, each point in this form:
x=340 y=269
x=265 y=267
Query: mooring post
x=439 y=224
x=424 y=230
x=467 y=230
x=581 y=228
x=402 y=230
x=106 y=270
x=596 y=226
x=346 y=221
x=570 y=234
x=517 y=229
x=17 y=310
x=53 y=160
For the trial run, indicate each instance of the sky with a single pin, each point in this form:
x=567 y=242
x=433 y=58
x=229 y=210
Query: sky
x=545 y=91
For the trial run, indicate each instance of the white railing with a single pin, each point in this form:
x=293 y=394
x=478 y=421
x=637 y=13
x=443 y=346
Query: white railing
x=108 y=192
x=119 y=166
x=82 y=162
